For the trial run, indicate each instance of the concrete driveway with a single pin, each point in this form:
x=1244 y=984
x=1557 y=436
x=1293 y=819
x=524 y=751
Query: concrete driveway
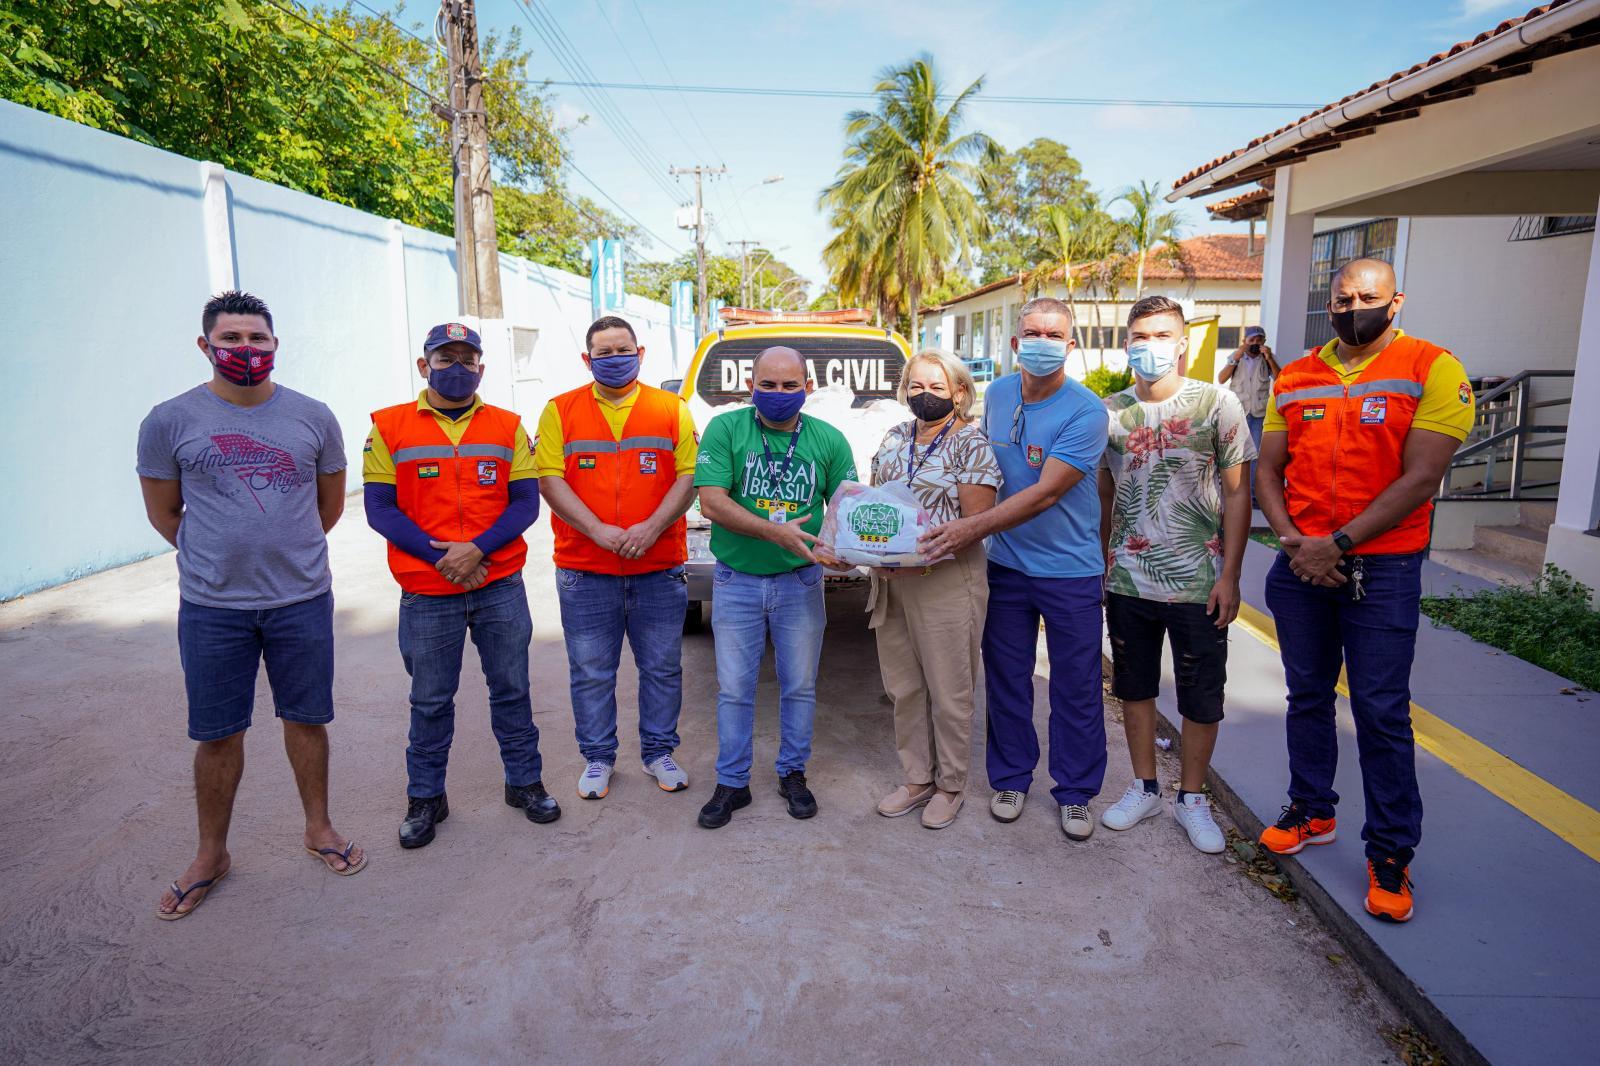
x=623 y=932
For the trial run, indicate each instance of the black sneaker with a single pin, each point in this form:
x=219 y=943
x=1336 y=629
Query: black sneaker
x=422 y=814
x=792 y=787
x=539 y=805
x=719 y=809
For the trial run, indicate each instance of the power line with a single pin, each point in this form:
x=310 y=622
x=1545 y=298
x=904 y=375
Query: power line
x=665 y=66
x=434 y=45
x=292 y=13
x=865 y=94
x=625 y=212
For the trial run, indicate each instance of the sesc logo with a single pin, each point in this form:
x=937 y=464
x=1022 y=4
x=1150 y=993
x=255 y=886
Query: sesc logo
x=875 y=523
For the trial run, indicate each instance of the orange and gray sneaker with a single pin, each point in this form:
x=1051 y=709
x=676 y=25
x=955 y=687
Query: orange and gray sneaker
x=1296 y=829
x=1389 y=891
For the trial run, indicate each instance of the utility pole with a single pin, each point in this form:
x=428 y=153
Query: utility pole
x=699 y=173
x=744 y=269
x=477 y=244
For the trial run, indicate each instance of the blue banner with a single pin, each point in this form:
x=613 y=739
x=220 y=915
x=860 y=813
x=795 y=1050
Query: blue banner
x=606 y=291
x=683 y=305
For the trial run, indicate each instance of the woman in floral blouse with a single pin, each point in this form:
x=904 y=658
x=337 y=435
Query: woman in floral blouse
x=929 y=622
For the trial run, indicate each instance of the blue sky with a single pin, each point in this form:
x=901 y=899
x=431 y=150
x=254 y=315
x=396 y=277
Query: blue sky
x=1303 y=54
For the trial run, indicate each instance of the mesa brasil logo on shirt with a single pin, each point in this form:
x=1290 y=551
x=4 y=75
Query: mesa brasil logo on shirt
x=761 y=480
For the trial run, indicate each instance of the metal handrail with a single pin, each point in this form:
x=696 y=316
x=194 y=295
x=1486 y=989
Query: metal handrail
x=1491 y=411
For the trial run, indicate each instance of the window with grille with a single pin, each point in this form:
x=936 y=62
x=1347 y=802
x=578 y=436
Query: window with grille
x=1332 y=250
x=1534 y=227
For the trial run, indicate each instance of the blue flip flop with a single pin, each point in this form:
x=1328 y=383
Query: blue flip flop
x=343 y=856
x=182 y=893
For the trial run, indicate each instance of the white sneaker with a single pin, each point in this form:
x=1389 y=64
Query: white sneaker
x=668 y=774
x=596 y=781
x=1194 y=814
x=1134 y=807
x=1075 y=821
x=1007 y=806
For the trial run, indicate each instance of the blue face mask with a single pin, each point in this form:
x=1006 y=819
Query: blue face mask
x=1041 y=356
x=615 y=371
x=1153 y=360
x=778 y=407
x=454 y=382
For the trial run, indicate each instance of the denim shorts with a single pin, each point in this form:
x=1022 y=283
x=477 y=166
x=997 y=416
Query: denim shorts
x=222 y=650
x=1138 y=627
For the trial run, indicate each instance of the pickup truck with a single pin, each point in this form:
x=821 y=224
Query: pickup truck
x=840 y=349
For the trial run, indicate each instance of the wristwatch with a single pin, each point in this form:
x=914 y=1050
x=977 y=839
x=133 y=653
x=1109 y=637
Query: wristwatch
x=1342 y=539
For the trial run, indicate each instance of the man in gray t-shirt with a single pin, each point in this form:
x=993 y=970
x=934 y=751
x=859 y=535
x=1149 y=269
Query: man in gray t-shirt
x=245 y=477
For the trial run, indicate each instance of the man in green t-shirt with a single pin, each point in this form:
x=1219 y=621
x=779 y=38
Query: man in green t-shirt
x=764 y=477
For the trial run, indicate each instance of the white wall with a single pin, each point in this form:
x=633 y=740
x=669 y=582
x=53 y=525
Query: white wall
x=1501 y=306
x=103 y=271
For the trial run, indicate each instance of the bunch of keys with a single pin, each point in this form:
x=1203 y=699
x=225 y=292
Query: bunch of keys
x=1358 y=577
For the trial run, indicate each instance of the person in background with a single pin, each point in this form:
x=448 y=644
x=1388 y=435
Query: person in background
x=450 y=485
x=245 y=478
x=615 y=460
x=929 y=621
x=1045 y=562
x=1248 y=373
x=1358 y=437
x=1175 y=515
x=764 y=477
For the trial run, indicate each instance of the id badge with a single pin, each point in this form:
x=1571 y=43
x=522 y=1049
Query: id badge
x=778 y=515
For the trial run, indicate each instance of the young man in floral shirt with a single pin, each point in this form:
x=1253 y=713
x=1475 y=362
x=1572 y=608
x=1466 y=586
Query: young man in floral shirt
x=1175 y=514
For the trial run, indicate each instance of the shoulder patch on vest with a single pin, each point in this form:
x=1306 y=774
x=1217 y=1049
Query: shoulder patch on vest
x=1464 y=393
x=1374 y=410
x=1313 y=412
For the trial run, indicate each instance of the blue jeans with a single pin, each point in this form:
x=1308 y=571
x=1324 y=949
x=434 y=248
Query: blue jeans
x=1070 y=608
x=433 y=635
x=745 y=610
x=222 y=648
x=1255 y=423
x=1321 y=629
x=597 y=610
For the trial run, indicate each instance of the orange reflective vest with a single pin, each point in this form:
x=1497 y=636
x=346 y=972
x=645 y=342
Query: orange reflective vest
x=1346 y=441
x=451 y=491
x=621 y=481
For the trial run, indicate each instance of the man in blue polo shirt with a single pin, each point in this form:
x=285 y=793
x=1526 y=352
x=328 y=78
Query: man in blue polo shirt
x=1044 y=562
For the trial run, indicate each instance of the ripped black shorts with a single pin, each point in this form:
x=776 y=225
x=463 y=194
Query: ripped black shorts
x=1199 y=653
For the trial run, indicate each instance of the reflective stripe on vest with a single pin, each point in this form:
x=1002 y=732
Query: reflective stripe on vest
x=1346 y=442
x=451 y=491
x=621 y=481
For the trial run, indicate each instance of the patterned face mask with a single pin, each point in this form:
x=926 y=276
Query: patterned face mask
x=244 y=365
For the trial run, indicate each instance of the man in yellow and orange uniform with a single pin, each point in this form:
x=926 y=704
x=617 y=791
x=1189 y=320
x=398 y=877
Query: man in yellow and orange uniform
x=615 y=461
x=449 y=484
x=1358 y=436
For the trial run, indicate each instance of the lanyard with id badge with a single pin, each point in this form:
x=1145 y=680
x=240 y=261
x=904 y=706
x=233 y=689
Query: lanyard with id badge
x=779 y=514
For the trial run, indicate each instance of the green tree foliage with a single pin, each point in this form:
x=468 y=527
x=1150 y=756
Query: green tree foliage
x=250 y=86
x=1148 y=227
x=1023 y=187
x=905 y=200
x=773 y=283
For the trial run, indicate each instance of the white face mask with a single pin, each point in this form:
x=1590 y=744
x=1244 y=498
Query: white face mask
x=1153 y=360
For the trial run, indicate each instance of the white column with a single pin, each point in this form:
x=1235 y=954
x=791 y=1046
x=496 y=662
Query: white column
x=217 y=221
x=1578 y=505
x=1286 y=271
x=402 y=344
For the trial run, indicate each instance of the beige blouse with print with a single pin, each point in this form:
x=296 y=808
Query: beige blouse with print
x=963 y=457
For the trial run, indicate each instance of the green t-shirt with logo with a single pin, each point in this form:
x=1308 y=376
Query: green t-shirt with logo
x=733 y=457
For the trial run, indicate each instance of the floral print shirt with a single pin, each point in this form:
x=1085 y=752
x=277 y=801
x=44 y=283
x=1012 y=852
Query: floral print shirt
x=1166 y=459
x=964 y=457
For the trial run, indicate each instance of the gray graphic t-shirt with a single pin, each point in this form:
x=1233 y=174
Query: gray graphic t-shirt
x=251 y=538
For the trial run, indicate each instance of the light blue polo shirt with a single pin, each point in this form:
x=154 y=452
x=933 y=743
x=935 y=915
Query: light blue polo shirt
x=1069 y=425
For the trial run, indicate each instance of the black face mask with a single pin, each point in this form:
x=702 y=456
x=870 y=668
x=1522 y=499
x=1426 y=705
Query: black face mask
x=929 y=407
x=1361 y=326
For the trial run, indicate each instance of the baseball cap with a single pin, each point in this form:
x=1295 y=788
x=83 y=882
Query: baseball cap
x=1254 y=331
x=450 y=333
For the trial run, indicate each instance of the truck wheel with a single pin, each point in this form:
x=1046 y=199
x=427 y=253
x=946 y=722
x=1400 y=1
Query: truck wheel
x=694 y=617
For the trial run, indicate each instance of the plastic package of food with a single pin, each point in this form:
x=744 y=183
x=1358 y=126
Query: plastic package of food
x=868 y=526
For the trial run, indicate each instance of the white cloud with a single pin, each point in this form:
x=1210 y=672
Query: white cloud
x=1475 y=8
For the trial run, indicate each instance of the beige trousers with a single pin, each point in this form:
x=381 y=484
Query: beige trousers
x=929 y=628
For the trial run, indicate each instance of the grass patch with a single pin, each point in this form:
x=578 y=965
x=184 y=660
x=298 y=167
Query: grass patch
x=1550 y=625
x=1267 y=537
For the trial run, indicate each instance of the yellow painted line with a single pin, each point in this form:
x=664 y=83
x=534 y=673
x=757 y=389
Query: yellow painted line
x=1564 y=815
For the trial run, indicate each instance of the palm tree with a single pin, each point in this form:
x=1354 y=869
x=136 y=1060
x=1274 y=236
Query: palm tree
x=1076 y=233
x=1148 y=227
x=906 y=188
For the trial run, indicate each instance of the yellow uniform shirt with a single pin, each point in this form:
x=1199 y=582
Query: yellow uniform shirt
x=1441 y=408
x=377 y=465
x=550 y=439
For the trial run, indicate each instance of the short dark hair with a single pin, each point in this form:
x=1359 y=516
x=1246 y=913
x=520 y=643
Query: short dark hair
x=233 y=302
x=1155 y=305
x=608 y=322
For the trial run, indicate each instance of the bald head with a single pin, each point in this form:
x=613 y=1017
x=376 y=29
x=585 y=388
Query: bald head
x=1365 y=273
x=780 y=360
x=1363 y=302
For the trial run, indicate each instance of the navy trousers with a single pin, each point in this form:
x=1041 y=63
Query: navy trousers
x=1070 y=608
x=1321 y=629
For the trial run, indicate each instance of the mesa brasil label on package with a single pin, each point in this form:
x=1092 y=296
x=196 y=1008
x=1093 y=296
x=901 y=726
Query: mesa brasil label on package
x=875 y=526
